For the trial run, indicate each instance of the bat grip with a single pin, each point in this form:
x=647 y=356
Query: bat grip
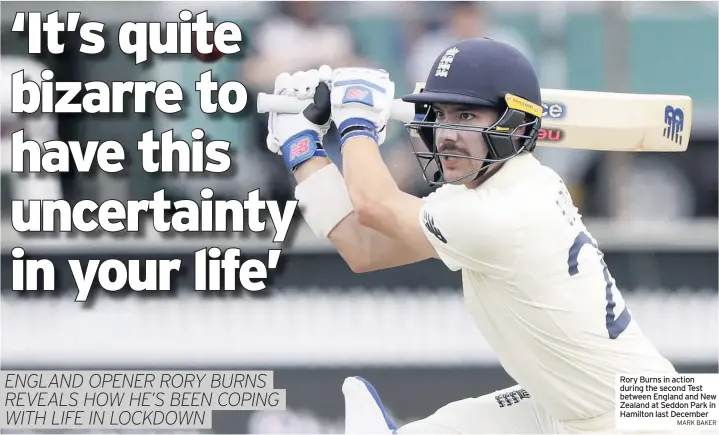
x=400 y=111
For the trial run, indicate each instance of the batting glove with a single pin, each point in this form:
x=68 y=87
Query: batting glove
x=361 y=102
x=298 y=137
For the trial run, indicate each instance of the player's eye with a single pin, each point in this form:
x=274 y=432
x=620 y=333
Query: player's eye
x=439 y=115
x=466 y=116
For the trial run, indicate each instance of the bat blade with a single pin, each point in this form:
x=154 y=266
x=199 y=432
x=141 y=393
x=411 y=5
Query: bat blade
x=607 y=121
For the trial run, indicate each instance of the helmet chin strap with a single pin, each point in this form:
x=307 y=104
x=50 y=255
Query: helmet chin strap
x=480 y=172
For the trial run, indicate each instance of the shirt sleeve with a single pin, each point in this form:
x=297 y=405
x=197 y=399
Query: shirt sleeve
x=473 y=230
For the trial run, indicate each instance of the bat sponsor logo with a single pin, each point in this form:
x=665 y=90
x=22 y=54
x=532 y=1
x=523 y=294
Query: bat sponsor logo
x=674 y=121
x=550 y=134
x=553 y=110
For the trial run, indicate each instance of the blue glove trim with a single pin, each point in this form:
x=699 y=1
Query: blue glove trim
x=359 y=82
x=353 y=127
x=356 y=124
x=357 y=133
x=300 y=148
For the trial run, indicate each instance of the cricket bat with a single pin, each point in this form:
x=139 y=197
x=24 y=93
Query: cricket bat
x=586 y=120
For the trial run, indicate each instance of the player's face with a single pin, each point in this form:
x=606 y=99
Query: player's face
x=461 y=142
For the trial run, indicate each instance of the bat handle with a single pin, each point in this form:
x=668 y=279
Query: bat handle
x=401 y=111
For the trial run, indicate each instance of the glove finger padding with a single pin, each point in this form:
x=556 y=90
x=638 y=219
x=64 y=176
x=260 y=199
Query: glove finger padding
x=295 y=85
x=305 y=83
x=325 y=73
x=283 y=84
x=298 y=137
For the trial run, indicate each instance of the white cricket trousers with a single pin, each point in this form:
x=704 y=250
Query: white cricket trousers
x=508 y=411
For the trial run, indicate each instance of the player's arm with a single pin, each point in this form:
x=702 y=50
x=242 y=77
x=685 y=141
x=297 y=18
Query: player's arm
x=321 y=191
x=363 y=248
x=378 y=202
x=361 y=100
x=467 y=230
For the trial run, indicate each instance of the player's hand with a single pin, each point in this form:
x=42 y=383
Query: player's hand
x=298 y=137
x=361 y=102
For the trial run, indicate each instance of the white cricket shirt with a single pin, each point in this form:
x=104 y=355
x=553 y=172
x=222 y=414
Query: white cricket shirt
x=538 y=289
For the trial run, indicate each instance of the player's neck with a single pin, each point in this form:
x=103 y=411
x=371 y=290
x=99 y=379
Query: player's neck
x=484 y=177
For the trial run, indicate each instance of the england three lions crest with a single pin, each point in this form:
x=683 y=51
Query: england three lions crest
x=674 y=120
x=445 y=63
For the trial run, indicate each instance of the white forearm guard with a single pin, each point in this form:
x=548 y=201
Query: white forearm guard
x=324 y=200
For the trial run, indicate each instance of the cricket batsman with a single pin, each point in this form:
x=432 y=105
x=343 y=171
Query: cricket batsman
x=534 y=279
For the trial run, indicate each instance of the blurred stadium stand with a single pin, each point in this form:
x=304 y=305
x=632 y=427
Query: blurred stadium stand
x=404 y=329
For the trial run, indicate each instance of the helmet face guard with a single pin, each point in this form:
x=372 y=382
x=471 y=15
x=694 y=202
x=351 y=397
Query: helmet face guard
x=503 y=138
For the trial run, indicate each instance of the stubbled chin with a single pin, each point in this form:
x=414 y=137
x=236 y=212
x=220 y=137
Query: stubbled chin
x=452 y=174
